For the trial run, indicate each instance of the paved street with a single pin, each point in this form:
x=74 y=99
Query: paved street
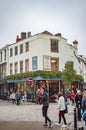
x=30 y=116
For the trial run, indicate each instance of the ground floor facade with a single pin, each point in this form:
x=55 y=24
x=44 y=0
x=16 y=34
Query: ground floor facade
x=32 y=85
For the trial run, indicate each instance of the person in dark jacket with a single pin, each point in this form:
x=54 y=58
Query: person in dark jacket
x=84 y=101
x=18 y=97
x=78 y=101
x=45 y=102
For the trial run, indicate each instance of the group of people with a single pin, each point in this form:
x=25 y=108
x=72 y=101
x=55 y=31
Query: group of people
x=17 y=97
x=45 y=106
x=78 y=99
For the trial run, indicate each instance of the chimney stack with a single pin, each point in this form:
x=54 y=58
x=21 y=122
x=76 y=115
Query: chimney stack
x=28 y=34
x=75 y=43
x=23 y=35
x=17 y=38
x=58 y=34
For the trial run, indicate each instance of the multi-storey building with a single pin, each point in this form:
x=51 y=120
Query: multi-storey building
x=43 y=51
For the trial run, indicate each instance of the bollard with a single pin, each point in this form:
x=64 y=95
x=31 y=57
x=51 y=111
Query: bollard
x=79 y=112
x=81 y=128
x=75 y=119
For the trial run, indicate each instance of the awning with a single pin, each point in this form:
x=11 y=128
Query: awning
x=27 y=79
x=39 y=78
x=17 y=80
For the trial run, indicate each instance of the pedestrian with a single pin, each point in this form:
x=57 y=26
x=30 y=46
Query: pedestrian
x=45 y=102
x=68 y=96
x=24 y=97
x=73 y=97
x=18 y=97
x=78 y=102
x=40 y=95
x=61 y=107
x=8 y=95
x=13 y=97
x=84 y=101
x=84 y=106
x=37 y=95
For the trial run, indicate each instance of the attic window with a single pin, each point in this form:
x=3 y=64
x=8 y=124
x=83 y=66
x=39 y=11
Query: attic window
x=54 y=45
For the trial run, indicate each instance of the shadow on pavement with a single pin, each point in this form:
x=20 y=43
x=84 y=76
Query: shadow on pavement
x=24 y=126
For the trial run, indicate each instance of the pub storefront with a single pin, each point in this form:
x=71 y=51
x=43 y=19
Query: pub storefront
x=55 y=85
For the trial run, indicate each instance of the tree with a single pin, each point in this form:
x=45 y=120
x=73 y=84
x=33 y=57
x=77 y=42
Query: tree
x=69 y=74
x=79 y=78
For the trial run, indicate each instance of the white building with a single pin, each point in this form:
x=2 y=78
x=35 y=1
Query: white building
x=43 y=51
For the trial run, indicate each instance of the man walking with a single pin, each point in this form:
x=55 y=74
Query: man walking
x=45 y=102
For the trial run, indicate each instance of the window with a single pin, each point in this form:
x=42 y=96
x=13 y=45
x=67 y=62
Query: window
x=16 y=68
x=54 y=64
x=16 y=50
x=34 y=62
x=54 y=45
x=46 y=62
x=5 y=54
x=21 y=66
x=27 y=46
x=4 y=69
x=11 y=52
x=21 y=49
x=11 y=68
x=26 y=65
x=1 y=56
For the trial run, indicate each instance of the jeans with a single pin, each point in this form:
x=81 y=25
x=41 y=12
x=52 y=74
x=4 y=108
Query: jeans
x=44 y=113
x=61 y=115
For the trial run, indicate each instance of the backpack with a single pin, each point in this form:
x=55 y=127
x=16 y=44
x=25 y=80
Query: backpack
x=84 y=115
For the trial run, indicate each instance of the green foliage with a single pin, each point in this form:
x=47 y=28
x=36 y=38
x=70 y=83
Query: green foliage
x=79 y=78
x=69 y=74
x=44 y=74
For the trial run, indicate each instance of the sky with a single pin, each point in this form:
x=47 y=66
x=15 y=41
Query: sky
x=67 y=17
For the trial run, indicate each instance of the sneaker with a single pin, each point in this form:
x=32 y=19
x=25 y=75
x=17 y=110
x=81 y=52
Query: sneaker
x=57 y=124
x=50 y=124
x=64 y=125
x=45 y=124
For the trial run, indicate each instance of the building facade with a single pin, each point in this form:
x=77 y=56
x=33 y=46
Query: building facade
x=43 y=51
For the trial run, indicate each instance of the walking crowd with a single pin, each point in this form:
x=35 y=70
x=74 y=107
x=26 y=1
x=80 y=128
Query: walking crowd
x=73 y=97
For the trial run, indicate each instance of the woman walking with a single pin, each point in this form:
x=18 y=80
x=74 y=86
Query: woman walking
x=61 y=107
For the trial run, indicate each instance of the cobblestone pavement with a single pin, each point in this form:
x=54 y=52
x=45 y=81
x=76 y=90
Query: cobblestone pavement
x=31 y=115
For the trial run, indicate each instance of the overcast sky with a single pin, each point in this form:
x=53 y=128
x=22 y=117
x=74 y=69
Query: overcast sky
x=67 y=17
